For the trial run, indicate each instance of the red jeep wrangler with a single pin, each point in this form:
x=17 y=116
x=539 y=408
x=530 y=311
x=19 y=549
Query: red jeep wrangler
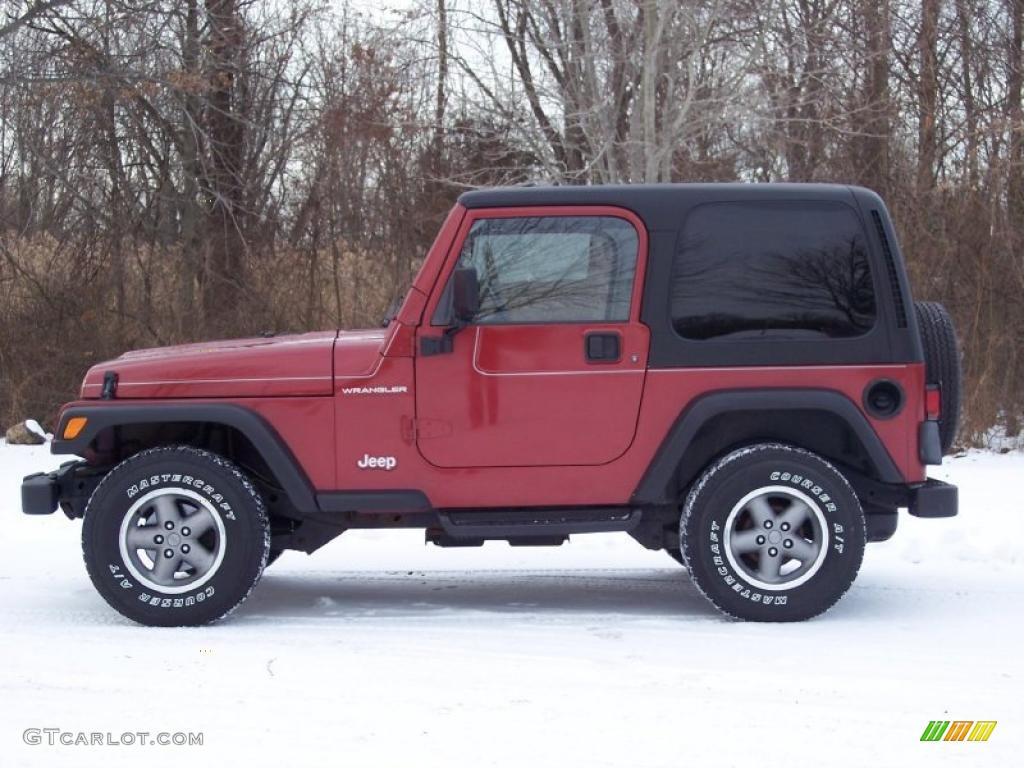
x=735 y=374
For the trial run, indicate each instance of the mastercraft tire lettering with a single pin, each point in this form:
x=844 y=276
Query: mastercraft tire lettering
x=772 y=532
x=175 y=536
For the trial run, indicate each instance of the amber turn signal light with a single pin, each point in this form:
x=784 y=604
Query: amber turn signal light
x=74 y=427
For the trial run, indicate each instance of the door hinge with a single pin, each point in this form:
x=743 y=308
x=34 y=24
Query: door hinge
x=109 y=391
x=422 y=429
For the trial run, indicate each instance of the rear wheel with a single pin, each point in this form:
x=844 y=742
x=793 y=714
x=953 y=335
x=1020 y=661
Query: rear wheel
x=942 y=365
x=175 y=536
x=772 y=532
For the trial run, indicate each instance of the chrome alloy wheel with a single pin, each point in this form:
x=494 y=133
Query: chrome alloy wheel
x=776 y=537
x=172 y=540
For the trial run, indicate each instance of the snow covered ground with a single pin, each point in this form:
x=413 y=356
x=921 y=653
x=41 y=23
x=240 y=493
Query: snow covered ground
x=379 y=651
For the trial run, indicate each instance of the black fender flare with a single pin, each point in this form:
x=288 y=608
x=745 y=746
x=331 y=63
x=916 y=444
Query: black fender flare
x=654 y=487
x=257 y=430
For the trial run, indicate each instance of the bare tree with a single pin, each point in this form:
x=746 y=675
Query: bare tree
x=176 y=170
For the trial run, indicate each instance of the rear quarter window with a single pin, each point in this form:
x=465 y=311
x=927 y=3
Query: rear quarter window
x=786 y=270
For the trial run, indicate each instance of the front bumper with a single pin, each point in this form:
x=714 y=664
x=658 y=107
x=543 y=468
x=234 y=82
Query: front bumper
x=934 y=499
x=39 y=494
x=68 y=488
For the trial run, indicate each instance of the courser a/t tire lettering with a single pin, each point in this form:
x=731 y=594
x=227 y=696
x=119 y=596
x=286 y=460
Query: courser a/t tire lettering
x=772 y=532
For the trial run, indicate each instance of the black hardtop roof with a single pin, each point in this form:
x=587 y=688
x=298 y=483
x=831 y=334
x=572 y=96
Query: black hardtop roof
x=661 y=206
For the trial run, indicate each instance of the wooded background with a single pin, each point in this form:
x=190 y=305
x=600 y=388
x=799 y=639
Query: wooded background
x=192 y=169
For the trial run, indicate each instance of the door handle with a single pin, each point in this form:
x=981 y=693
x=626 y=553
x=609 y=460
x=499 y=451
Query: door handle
x=602 y=347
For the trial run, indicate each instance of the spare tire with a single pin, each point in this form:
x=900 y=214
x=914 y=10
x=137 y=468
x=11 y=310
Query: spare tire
x=942 y=364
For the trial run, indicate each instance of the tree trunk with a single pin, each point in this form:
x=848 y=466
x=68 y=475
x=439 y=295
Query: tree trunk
x=873 y=162
x=1015 y=84
x=225 y=133
x=441 y=99
x=189 y=273
x=967 y=87
x=649 y=92
x=927 y=92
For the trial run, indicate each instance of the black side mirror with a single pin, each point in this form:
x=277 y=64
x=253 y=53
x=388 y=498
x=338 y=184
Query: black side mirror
x=465 y=294
x=462 y=299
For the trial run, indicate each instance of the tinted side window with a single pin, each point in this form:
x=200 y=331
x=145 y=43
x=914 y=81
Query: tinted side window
x=779 y=270
x=552 y=269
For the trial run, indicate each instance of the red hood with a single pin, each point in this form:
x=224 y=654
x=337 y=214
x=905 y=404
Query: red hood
x=294 y=365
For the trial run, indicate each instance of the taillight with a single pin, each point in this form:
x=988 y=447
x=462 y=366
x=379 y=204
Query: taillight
x=932 y=402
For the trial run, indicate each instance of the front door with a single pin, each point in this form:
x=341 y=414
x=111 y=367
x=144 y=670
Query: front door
x=551 y=369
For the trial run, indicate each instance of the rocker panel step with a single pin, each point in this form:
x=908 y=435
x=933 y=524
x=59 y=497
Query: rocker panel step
x=525 y=523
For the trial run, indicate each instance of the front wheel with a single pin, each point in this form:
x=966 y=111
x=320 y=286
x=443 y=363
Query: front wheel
x=175 y=536
x=772 y=532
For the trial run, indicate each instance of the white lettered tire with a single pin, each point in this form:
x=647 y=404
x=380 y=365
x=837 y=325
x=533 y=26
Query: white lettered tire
x=175 y=536
x=772 y=532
